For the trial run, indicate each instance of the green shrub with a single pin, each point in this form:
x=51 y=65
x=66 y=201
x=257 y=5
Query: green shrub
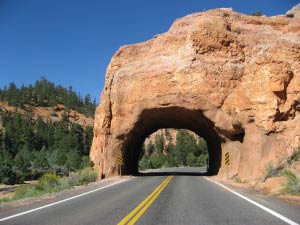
x=201 y=161
x=292 y=186
x=87 y=175
x=294 y=157
x=53 y=183
x=74 y=179
x=144 y=163
x=5 y=199
x=27 y=192
x=271 y=171
x=237 y=179
x=64 y=183
x=48 y=182
x=256 y=13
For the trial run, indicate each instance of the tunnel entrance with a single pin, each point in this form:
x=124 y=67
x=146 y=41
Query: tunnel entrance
x=149 y=121
x=171 y=148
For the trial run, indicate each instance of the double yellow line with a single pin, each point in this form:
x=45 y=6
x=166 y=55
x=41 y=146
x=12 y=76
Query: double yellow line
x=135 y=214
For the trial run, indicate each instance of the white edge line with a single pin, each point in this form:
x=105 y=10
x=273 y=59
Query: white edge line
x=56 y=203
x=279 y=216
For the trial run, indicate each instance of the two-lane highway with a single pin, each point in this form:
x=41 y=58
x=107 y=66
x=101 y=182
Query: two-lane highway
x=180 y=198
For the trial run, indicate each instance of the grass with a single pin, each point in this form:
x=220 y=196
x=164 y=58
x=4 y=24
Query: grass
x=292 y=186
x=50 y=183
x=5 y=199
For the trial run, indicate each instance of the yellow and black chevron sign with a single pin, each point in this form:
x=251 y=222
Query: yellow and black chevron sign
x=227 y=159
x=120 y=158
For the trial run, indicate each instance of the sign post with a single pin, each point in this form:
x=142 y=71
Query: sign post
x=120 y=161
x=227 y=161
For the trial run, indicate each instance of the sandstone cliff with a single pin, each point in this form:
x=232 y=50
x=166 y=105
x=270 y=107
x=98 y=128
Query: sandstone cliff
x=231 y=78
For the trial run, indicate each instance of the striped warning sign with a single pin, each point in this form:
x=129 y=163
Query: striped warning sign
x=120 y=158
x=227 y=159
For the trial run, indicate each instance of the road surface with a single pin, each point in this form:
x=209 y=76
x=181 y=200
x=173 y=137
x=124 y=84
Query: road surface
x=184 y=197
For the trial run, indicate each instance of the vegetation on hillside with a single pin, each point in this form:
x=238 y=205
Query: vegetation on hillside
x=292 y=184
x=50 y=183
x=187 y=150
x=256 y=13
x=46 y=94
x=30 y=148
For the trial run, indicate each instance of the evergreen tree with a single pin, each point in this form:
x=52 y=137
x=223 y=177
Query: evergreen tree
x=187 y=151
x=35 y=147
x=180 y=147
x=73 y=161
x=45 y=93
x=7 y=169
x=159 y=143
x=150 y=148
x=87 y=139
x=30 y=146
x=23 y=163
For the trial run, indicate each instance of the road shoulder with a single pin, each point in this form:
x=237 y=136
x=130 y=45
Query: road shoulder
x=9 y=208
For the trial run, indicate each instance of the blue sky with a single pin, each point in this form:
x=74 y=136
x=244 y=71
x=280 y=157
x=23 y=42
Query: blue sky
x=70 y=42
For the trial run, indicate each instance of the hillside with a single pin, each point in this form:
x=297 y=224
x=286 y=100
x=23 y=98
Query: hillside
x=44 y=128
x=54 y=113
x=46 y=94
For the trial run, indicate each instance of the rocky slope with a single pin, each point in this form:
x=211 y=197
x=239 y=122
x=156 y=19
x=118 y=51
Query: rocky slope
x=231 y=78
x=53 y=113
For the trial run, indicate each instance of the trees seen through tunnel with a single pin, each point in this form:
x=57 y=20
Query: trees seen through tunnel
x=173 y=148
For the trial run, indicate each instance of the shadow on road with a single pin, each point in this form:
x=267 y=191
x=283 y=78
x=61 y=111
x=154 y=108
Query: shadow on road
x=174 y=173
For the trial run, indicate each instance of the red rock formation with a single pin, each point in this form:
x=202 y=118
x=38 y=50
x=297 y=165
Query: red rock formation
x=231 y=78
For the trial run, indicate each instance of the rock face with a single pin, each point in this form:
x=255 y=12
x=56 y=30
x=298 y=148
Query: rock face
x=230 y=78
x=295 y=11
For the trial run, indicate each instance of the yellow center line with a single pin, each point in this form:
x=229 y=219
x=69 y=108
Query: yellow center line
x=145 y=204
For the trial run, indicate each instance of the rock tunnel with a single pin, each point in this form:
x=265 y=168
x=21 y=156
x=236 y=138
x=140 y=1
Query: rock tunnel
x=232 y=79
x=171 y=117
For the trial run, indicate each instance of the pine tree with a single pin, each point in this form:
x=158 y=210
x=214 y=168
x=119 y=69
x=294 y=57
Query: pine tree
x=150 y=148
x=73 y=161
x=45 y=93
x=23 y=163
x=159 y=143
x=7 y=169
x=88 y=137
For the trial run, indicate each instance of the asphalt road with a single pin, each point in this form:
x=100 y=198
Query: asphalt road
x=180 y=197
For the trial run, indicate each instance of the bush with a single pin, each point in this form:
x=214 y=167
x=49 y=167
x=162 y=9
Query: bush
x=48 y=182
x=5 y=199
x=74 y=179
x=144 y=163
x=27 y=192
x=87 y=175
x=53 y=183
x=256 y=13
x=201 y=161
x=64 y=183
x=191 y=160
x=271 y=171
x=292 y=186
x=294 y=157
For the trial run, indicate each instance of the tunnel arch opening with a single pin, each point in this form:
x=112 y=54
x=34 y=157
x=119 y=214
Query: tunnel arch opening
x=151 y=120
x=168 y=149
